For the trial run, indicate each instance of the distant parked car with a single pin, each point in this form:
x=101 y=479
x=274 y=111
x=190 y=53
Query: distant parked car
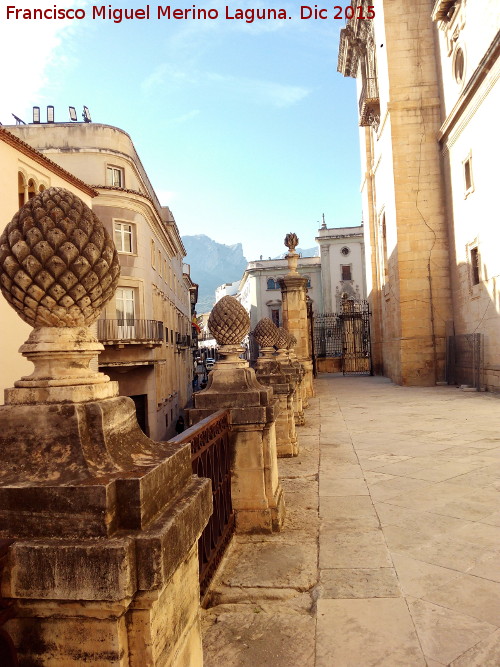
x=209 y=363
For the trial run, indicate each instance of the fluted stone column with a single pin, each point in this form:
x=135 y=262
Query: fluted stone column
x=256 y=492
x=294 y=308
x=270 y=373
x=104 y=567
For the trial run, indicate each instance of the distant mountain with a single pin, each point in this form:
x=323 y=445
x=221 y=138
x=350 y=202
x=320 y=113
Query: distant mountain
x=212 y=264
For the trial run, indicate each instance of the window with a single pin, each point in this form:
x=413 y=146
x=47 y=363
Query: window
x=114 y=177
x=271 y=284
x=275 y=316
x=346 y=271
x=125 y=312
x=458 y=65
x=345 y=251
x=123 y=237
x=21 y=188
x=385 y=258
x=468 y=179
x=475 y=262
x=308 y=281
x=31 y=189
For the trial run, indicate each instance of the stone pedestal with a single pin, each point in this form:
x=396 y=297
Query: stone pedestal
x=294 y=300
x=103 y=568
x=270 y=373
x=256 y=493
x=297 y=373
x=293 y=291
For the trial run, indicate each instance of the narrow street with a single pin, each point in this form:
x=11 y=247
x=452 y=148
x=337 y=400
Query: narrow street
x=390 y=551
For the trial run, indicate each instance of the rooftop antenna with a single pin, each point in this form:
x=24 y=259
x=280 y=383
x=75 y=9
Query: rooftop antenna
x=323 y=226
x=86 y=115
x=72 y=114
x=19 y=121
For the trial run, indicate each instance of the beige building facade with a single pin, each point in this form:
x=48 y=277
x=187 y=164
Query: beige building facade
x=146 y=328
x=428 y=101
x=24 y=173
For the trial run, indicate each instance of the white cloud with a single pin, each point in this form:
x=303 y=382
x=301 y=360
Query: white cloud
x=257 y=91
x=261 y=92
x=27 y=49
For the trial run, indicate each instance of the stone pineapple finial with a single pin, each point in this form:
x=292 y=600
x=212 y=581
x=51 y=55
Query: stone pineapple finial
x=283 y=338
x=58 y=264
x=58 y=268
x=291 y=242
x=266 y=334
x=229 y=323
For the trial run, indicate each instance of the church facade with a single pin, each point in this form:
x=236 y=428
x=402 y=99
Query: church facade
x=428 y=98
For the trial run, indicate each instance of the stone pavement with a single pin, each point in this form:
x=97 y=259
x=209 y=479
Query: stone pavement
x=390 y=551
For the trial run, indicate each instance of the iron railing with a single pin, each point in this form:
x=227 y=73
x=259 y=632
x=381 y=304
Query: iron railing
x=464 y=360
x=8 y=655
x=133 y=331
x=211 y=457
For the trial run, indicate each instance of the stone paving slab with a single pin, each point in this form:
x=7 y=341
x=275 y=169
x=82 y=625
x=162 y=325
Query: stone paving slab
x=390 y=553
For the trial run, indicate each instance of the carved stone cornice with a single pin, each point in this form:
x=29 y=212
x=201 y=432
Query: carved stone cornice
x=355 y=39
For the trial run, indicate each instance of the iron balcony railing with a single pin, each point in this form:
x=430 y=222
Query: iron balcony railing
x=211 y=457
x=132 y=331
x=369 y=103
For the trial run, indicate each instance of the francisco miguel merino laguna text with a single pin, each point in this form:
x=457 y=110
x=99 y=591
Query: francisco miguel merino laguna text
x=117 y=14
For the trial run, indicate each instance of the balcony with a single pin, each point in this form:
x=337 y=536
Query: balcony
x=182 y=341
x=130 y=332
x=369 y=104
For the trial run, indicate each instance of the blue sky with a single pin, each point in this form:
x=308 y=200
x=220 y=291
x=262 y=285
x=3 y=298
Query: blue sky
x=246 y=131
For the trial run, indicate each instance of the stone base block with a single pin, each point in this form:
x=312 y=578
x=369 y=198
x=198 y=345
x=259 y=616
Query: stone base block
x=157 y=628
x=154 y=619
x=268 y=520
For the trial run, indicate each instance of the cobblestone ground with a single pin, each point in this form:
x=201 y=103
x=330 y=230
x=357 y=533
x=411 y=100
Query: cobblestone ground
x=390 y=551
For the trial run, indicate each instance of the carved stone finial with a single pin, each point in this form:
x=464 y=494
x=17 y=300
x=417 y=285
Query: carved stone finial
x=266 y=332
x=291 y=241
x=229 y=322
x=58 y=264
x=283 y=338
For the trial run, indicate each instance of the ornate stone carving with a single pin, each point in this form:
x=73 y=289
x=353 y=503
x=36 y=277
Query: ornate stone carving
x=229 y=322
x=58 y=264
x=266 y=332
x=282 y=339
x=291 y=241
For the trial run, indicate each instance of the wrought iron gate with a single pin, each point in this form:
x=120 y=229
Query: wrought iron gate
x=346 y=336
